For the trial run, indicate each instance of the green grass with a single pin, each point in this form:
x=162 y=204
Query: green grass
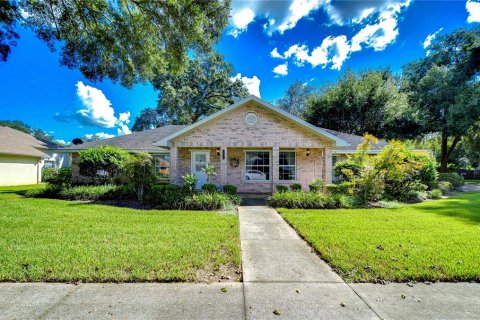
x=56 y=240
x=472 y=181
x=434 y=240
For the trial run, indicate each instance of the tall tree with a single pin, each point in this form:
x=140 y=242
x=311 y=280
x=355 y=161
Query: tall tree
x=445 y=89
x=124 y=40
x=148 y=119
x=22 y=126
x=359 y=103
x=204 y=88
x=295 y=98
x=8 y=16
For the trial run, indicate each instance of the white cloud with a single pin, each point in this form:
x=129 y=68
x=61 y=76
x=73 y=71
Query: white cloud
x=281 y=69
x=275 y=53
x=332 y=52
x=355 y=12
x=280 y=16
x=97 y=110
x=473 y=9
x=241 y=20
x=429 y=39
x=252 y=84
x=335 y=50
x=100 y=135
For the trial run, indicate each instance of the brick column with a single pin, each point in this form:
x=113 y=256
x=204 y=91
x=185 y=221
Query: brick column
x=275 y=164
x=223 y=165
x=174 y=164
x=327 y=158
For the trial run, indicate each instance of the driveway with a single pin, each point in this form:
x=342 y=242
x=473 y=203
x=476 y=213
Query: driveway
x=283 y=279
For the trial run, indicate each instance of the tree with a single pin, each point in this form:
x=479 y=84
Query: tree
x=124 y=40
x=445 y=89
x=139 y=171
x=17 y=125
x=8 y=36
x=149 y=119
x=366 y=102
x=22 y=126
x=204 y=88
x=295 y=98
x=103 y=163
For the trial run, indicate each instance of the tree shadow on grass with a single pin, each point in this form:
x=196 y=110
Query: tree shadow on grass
x=463 y=208
x=130 y=204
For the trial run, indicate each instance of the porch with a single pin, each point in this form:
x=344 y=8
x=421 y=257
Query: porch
x=254 y=170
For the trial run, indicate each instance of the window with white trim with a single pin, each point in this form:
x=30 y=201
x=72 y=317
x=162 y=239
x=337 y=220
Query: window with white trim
x=287 y=166
x=49 y=164
x=257 y=165
x=162 y=166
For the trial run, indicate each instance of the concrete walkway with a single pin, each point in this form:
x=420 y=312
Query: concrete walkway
x=283 y=279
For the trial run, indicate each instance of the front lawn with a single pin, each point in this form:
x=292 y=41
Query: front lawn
x=472 y=181
x=56 y=240
x=434 y=240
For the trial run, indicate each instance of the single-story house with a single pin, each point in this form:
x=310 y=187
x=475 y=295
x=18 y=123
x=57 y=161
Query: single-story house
x=22 y=157
x=253 y=145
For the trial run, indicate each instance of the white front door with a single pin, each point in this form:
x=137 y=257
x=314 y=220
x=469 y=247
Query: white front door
x=200 y=160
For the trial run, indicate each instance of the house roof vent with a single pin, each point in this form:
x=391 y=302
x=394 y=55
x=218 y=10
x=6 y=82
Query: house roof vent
x=251 y=119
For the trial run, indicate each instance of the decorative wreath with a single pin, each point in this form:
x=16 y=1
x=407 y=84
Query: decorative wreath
x=234 y=162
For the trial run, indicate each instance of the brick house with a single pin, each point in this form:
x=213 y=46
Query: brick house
x=252 y=145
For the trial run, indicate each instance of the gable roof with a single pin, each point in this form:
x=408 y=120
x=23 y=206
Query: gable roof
x=19 y=143
x=339 y=142
x=137 y=141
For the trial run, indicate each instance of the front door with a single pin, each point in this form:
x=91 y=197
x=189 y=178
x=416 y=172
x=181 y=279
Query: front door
x=200 y=160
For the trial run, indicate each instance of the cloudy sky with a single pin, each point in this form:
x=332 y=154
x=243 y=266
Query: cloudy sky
x=269 y=43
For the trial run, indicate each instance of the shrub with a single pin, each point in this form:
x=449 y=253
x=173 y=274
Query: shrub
x=296 y=187
x=435 y=194
x=104 y=192
x=307 y=200
x=370 y=186
x=445 y=186
x=347 y=170
x=210 y=171
x=340 y=188
x=209 y=187
x=50 y=191
x=230 y=189
x=207 y=201
x=454 y=178
x=190 y=182
x=48 y=174
x=428 y=174
x=139 y=172
x=60 y=178
x=316 y=185
x=166 y=196
x=281 y=188
x=103 y=163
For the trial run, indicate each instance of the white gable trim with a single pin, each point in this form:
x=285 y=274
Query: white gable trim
x=165 y=142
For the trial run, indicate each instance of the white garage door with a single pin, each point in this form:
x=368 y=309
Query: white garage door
x=18 y=170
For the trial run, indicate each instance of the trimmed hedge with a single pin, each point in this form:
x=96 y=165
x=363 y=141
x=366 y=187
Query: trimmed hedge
x=340 y=188
x=209 y=187
x=308 y=200
x=230 y=189
x=281 y=188
x=296 y=187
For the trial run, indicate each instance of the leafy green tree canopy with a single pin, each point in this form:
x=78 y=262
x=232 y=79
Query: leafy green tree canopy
x=444 y=89
x=148 y=119
x=295 y=98
x=8 y=36
x=123 y=40
x=22 y=126
x=359 y=103
x=204 y=88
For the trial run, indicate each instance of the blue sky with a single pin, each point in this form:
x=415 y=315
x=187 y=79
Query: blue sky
x=315 y=41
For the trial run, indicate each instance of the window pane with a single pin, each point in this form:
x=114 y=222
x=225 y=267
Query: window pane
x=287 y=165
x=162 y=166
x=257 y=165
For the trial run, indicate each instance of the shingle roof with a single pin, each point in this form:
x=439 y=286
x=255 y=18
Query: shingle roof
x=20 y=143
x=355 y=140
x=137 y=141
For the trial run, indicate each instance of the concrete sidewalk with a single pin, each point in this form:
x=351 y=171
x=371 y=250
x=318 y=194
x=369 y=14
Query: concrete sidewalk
x=283 y=279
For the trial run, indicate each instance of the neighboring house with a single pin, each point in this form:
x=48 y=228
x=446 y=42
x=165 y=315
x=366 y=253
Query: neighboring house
x=22 y=157
x=252 y=144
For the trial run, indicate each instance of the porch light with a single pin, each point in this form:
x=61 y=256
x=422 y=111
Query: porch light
x=308 y=152
x=218 y=151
